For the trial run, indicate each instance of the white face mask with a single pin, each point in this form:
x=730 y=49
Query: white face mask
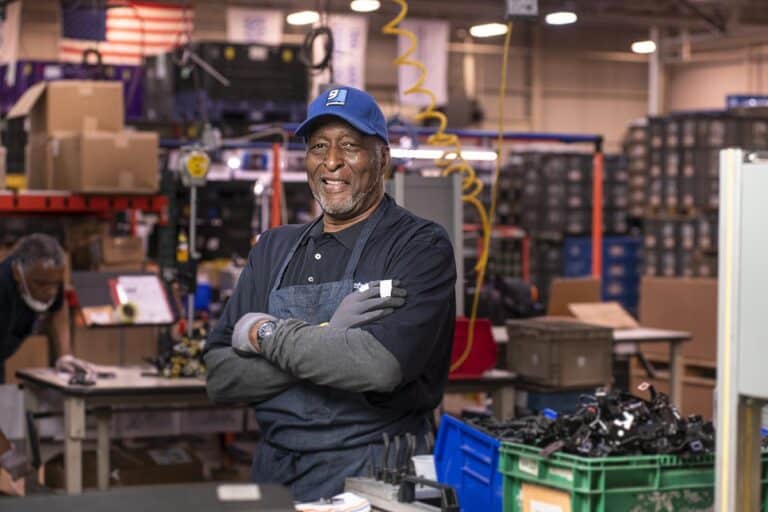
x=35 y=305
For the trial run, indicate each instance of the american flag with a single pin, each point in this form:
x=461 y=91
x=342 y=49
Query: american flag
x=133 y=29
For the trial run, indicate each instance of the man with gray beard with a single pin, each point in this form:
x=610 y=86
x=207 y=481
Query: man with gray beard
x=340 y=330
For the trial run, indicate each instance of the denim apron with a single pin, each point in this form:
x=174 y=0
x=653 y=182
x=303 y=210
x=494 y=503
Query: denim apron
x=316 y=436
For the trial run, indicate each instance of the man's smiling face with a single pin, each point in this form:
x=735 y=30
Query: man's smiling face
x=345 y=168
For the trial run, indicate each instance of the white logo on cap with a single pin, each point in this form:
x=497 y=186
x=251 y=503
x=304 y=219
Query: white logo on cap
x=336 y=97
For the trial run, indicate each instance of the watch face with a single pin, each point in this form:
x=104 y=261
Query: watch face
x=266 y=329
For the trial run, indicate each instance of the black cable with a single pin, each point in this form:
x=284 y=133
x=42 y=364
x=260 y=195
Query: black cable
x=305 y=53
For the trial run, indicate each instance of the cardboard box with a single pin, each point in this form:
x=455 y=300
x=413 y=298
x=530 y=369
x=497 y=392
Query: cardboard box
x=681 y=304
x=110 y=346
x=121 y=249
x=33 y=353
x=39 y=158
x=120 y=267
x=40 y=30
x=133 y=467
x=567 y=291
x=72 y=106
x=122 y=162
x=606 y=314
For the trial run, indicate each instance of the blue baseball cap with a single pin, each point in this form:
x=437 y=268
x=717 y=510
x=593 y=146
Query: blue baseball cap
x=354 y=106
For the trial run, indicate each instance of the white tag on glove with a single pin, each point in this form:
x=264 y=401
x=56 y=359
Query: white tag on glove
x=385 y=288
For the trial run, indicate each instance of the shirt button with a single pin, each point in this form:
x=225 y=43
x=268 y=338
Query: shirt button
x=311 y=279
x=318 y=255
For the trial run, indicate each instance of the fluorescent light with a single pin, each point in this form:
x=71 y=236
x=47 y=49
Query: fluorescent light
x=302 y=18
x=258 y=188
x=488 y=30
x=561 y=18
x=423 y=154
x=434 y=154
x=480 y=156
x=365 y=5
x=234 y=162
x=644 y=46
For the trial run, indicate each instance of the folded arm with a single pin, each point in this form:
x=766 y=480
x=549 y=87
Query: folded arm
x=392 y=350
x=232 y=378
x=348 y=359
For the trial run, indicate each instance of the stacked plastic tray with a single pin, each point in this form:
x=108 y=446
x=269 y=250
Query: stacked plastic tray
x=621 y=266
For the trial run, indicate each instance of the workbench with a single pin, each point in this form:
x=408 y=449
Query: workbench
x=625 y=343
x=130 y=386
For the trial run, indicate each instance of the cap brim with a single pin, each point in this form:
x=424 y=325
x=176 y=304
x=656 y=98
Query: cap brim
x=305 y=127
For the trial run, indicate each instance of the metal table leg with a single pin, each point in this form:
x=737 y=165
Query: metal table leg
x=676 y=372
x=74 y=433
x=103 y=418
x=31 y=404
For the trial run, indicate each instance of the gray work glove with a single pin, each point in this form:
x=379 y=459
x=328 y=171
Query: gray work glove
x=241 y=342
x=71 y=364
x=360 y=308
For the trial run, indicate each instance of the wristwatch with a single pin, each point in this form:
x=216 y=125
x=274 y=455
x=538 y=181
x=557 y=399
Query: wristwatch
x=265 y=330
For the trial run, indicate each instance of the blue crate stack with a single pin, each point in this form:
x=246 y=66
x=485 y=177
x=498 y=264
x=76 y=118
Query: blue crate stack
x=622 y=259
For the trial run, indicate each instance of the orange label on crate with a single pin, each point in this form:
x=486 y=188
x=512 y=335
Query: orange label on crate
x=536 y=498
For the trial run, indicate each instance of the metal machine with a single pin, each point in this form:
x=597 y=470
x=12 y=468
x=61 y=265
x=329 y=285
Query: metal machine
x=742 y=389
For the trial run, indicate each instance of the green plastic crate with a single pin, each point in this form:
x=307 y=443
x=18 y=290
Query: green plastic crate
x=643 y=483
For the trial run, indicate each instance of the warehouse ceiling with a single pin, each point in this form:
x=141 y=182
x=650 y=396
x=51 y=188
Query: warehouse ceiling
x=697 y=15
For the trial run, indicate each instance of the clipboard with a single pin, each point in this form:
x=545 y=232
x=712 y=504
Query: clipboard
x=101 y=295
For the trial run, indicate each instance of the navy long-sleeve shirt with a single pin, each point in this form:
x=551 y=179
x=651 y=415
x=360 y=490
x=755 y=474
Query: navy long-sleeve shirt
x=416 y=252
x=17 y=320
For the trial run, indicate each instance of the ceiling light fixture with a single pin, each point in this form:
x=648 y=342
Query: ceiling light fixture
x=488 y=30
x=364 y=5
x=303 y=18
x=561 y=18
x=647 y=46
x=434 y=154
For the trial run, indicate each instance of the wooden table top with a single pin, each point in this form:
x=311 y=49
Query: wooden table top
x=127 y=380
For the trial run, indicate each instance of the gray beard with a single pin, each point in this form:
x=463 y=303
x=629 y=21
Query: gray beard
x=339 y=208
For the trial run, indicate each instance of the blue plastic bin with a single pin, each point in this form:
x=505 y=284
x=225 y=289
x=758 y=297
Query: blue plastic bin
x=468 y=459
x=565 y=402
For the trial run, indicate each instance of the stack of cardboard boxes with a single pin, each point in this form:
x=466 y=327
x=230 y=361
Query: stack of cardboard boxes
x=77 y=141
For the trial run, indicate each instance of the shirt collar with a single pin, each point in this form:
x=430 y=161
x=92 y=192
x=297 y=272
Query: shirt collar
x=347 y=237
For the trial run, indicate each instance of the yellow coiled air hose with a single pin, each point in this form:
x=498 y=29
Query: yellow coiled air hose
x=451 y=161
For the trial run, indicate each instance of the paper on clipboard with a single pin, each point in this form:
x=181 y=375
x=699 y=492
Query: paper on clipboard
x=148 y=294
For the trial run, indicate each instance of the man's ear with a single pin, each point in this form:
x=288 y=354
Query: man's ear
x=386 y=159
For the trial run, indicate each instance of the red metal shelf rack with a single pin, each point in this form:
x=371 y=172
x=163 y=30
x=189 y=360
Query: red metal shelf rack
x=65 y=203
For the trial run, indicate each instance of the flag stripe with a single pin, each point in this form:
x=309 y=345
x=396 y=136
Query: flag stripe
x=147 y=26
x=147 y=39
x=78 y=46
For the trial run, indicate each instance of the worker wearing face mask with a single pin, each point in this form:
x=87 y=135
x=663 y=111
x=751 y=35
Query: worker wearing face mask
x=31 y=294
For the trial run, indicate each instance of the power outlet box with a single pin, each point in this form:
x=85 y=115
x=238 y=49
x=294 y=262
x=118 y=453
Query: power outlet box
x=522 y=8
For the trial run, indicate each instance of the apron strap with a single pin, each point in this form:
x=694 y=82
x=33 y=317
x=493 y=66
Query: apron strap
x=362 y=240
